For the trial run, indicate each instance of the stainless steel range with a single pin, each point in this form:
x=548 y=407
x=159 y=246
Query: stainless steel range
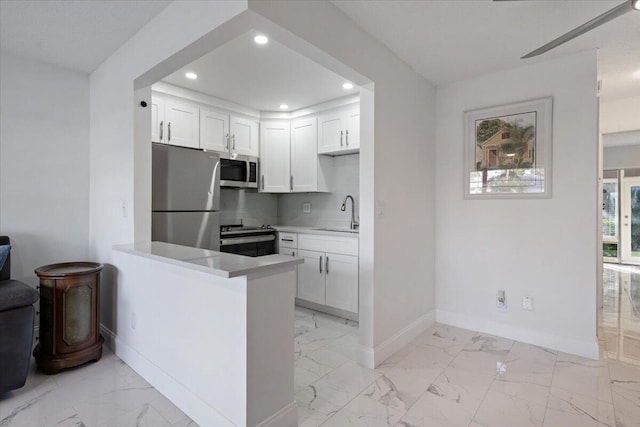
x=248 y=241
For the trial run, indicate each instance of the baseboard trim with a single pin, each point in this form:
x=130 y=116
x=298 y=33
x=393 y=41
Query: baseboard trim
x=329 y=310
x=588 y=349
x=198 y=410
x=372 y=357
x=109 y=337
x=285 y=417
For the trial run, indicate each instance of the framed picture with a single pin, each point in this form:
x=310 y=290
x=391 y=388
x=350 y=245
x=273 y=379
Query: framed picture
x=508 y=151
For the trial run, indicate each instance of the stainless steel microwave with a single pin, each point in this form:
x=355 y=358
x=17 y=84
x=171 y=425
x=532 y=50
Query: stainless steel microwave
x=238 y=171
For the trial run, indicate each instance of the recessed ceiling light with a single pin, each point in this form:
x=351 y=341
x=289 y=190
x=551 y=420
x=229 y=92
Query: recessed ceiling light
x=191 y=76
x=284 y=107
x=261 y=39
x=347 y=86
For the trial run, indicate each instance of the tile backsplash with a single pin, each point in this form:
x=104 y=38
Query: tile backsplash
x=254 y=208
x=248 y=206
x=325 y=207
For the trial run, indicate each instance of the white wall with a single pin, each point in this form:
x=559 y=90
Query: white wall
x=112 y=127
x=620 y=115
x=44 y=164
x=397 y=173
x=325 y=207
x=545 y=248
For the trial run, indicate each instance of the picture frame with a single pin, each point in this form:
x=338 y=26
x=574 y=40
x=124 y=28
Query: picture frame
x=508 y=151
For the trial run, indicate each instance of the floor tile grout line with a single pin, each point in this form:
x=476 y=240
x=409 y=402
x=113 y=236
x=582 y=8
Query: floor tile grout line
x=546 y=407
x=495 y=377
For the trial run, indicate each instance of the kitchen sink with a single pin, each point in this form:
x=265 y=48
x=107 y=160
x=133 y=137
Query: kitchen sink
x=339 y=230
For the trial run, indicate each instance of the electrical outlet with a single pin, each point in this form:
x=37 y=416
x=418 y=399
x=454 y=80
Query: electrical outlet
x=527 y=302
x=501 y=300
x=306 y=207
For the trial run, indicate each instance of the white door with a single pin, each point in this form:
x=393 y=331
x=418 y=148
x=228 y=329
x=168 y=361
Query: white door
x=214 y=130
x=304 y=155
x=182 y=124
x=352 y=134
x=274 y=157
x=157 y=120
x=244 y=136
x=330 y=133
x=311 y=276
x=630 y=230
x=341 y=281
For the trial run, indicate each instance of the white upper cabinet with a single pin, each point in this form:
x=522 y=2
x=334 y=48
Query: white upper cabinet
x=289 y=158
x=275 y=172
x=244 y=136
x=330 y=133
x=339 y=131
x=214 y=130
x=352 y=133
x=182 y=124
x=157 y=120
x=304 y=155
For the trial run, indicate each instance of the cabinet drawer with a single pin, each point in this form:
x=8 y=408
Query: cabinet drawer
x=324 y=243
x=287 y=240
x=288 y=251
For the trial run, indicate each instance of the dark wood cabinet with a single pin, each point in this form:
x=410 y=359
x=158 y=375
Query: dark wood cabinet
x=69 y=315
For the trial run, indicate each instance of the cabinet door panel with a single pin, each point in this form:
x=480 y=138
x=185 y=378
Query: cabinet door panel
x=244 y=136
x=342 y=282
x=157 y=120
x=352 y=119
x=182 y=124
x=304 y=155
x=274 y=157
x=329 y=129
x=214 y=130
x=311 y=277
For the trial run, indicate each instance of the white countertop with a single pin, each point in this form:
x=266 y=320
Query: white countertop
x=315 y=230
x=217 y=263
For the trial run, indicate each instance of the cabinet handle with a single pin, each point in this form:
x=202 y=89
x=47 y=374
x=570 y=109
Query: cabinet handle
x=293 y=253
x=347 y=137
x=326 y=265
x=287 y=240
x=169 y=130
x=320 y=259
x=161 y=128
x=291 y=182
x=341 y=132
x=262 y=181
x=227 y=137
x=233 y=138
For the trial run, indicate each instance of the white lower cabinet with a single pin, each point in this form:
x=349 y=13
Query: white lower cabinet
x=311 y=277
x=341 y=282
x=329 y=275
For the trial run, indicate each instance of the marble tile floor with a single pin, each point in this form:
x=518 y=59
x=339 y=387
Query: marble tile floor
x=446 y=377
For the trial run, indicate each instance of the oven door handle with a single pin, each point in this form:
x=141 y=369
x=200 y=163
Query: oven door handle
x=242 y=240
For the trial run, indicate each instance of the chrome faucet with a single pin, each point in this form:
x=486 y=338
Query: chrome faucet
x=354 y=222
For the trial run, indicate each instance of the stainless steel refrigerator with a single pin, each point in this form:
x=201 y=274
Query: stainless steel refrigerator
x=185 y=197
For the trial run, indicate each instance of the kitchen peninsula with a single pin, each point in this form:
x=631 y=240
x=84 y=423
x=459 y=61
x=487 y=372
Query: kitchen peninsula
x=212 y=331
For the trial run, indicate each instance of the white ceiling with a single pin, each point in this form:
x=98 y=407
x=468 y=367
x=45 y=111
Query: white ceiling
x=75 y=34
x=447 y=41
x=261 y=77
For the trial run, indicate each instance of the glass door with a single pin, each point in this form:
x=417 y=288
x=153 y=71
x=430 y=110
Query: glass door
x=630 y=230
x=610 y=219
